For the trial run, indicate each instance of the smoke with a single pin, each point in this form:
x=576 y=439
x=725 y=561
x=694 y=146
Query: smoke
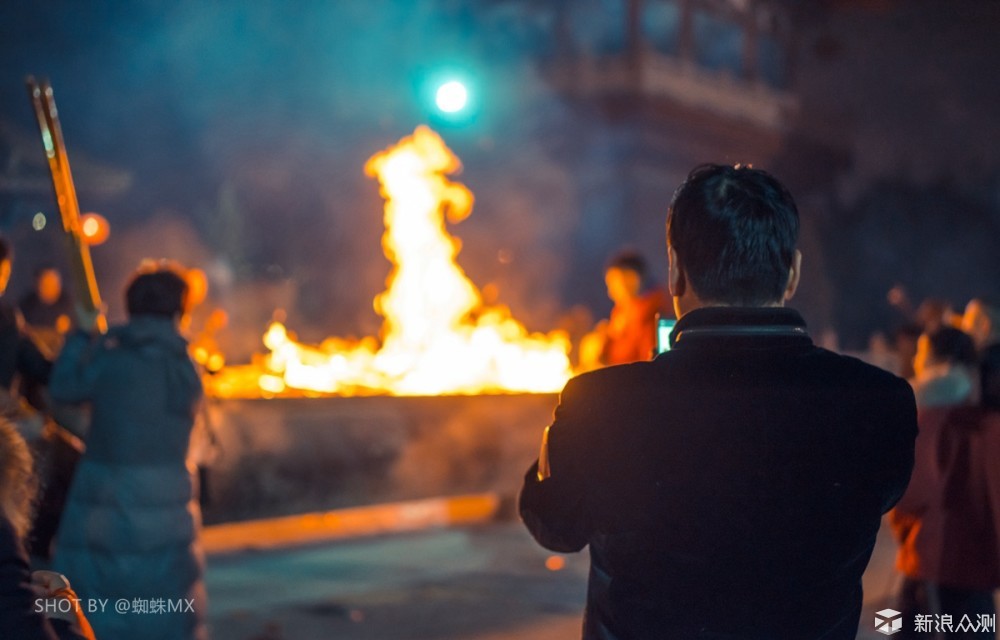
x=261 y=115
x=279 y=457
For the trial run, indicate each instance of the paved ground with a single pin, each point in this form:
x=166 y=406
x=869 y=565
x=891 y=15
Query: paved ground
x=474 y=583
x=478 y=583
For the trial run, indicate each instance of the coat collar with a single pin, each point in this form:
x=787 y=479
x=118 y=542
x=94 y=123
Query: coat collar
x=739 y=322
x=149 y=331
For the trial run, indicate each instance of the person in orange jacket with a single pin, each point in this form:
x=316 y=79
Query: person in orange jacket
x=629 y=335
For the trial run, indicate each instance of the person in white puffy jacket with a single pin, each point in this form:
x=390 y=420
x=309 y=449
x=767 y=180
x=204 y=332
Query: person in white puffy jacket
x=130 y=529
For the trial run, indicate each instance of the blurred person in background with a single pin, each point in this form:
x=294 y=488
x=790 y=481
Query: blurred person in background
x=904 y=342
x=24 y=372
x=131 y=524
x=934 y=313
x=981 y=320
x=945 y=369
x=880 y=353
x=948 y=522
x=629 y=335
x=21 y=591
x=21 y=361
x=47 y=310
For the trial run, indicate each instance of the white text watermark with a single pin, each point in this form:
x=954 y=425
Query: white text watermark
x=122 y=606
x=889 y=622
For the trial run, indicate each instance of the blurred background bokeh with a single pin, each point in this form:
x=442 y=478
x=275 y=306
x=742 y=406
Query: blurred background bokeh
x=232 y=136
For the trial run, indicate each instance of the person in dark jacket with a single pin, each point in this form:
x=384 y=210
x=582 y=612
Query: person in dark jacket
x=19 y=356
x=131 y=525
x=948 y=521
x=982 y=321
x=24 y=372
x=47 y=309
x=23 y=594
x=733 y=486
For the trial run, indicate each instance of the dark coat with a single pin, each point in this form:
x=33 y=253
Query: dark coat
x=39 y=314
x=948 y=521
x=130 y=527
x=18 y=616
x=989 y=371
x=730 y=488
x=18 y=354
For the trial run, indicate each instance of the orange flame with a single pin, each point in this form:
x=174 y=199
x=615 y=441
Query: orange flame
x=438 y=336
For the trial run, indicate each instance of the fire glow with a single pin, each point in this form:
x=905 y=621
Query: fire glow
x=437 y=335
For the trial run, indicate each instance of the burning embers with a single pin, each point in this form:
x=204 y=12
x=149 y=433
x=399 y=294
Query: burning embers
x=437 y=335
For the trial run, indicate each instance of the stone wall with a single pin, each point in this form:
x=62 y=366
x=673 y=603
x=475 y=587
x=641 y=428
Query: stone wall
x=285 y=456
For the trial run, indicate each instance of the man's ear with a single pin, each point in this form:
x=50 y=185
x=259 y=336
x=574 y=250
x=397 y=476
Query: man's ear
x=675 y=276
x=794 y=273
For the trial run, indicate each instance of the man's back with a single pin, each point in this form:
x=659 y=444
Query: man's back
x=733 y=487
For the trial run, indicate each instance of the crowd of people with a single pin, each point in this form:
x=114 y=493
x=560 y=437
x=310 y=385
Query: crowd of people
x=947 y=523
x=731 y=487
x=128 y=527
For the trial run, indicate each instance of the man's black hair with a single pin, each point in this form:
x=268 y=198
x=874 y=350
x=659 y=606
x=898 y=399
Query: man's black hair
x=734 y=230
x=628 y=260
x=160 y=293
x=953 y=346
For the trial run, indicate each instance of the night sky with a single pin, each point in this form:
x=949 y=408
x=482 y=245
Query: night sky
x=244 y=129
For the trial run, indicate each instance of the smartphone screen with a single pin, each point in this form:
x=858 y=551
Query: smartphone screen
x=663 y=328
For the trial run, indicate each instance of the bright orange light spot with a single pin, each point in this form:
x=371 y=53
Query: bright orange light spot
x=197 y=283
x=555 y=563
x=438 y=336
x=94 y=228
x=215 y=362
